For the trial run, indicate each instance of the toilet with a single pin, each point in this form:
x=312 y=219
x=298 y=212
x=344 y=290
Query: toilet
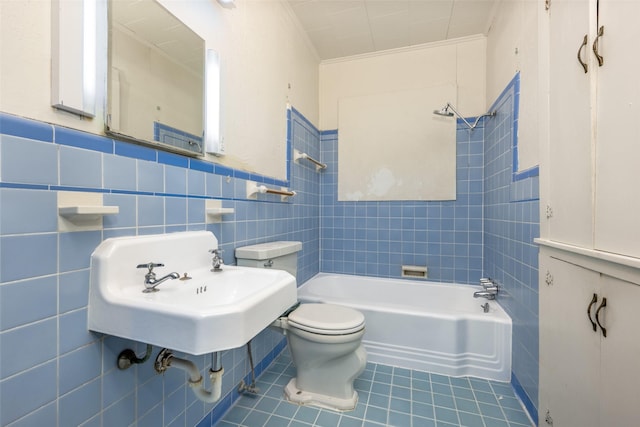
x=325 y=340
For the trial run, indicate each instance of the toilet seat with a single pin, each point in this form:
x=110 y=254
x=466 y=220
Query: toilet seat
x=326 y=319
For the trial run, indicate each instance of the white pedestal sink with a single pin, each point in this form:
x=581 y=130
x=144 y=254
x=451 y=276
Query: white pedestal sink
x=201 y=313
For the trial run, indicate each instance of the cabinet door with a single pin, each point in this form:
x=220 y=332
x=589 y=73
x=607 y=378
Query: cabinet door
x=570 y=124
x=617 y=201
x=620 y=354
x=569 y=348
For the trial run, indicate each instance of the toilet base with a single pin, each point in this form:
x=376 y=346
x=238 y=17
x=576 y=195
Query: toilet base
x=301 y=397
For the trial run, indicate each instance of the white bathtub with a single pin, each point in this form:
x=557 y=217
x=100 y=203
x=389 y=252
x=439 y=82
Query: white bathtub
x=427 y=326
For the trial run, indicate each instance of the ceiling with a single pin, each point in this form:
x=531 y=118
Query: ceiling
x=339 y=28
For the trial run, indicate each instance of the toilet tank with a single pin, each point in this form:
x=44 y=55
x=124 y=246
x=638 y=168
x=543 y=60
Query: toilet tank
x=281 y=255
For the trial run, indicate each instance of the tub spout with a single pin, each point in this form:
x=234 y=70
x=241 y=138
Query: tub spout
x=485 y=294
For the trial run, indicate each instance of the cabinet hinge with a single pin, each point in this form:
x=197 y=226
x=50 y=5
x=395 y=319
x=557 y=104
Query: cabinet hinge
x=549 y=211
x=548 y=279
x=548 y=419
x=547 y=4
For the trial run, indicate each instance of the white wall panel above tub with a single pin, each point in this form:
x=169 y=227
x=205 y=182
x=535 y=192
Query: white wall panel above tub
x=392 y=147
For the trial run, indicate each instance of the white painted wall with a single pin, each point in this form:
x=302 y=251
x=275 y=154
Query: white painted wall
x=266 y=62
x=25 y=65
x=459 y=62
x=392 y=146
x=513 y=45
x=400 y=147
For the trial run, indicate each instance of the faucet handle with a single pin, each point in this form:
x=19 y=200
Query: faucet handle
x=150 y=265
x=488 y=283
x=217 y=262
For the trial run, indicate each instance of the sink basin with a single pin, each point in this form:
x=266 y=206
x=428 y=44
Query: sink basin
x=209 y=311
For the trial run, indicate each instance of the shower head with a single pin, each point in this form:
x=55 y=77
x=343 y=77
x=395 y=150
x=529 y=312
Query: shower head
x=444 y=111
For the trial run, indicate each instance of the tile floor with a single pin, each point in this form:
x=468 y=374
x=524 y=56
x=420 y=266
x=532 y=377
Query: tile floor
x=388 y=396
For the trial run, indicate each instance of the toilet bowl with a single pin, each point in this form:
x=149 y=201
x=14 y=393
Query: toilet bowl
x=325 y=340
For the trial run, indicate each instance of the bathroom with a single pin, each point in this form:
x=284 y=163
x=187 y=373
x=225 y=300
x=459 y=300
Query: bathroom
x=489 y=230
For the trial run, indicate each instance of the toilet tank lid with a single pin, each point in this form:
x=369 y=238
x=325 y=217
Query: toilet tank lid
x=268 y=250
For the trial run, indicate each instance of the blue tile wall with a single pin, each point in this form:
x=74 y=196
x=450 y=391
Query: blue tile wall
x=377 y=238
x=80 y=167
x=511 y=222
x=487 y=230
x=43 y=305
x=40 y=166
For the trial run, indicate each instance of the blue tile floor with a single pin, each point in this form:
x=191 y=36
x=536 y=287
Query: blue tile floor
x=388 y=396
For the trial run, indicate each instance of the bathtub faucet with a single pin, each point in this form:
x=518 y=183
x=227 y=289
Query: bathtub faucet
x=490 y=289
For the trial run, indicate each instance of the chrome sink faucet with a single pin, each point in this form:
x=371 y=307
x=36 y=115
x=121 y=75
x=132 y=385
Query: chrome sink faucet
x=490 y=289
x=216 y=262
x=150 y=281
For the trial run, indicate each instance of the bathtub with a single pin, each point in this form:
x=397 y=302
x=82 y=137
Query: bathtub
x=427 y=326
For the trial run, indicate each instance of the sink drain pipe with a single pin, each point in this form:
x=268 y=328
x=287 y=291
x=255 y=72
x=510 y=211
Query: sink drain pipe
x=166 y=359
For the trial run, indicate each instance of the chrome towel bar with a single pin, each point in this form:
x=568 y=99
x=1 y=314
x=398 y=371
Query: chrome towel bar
x=297 y=155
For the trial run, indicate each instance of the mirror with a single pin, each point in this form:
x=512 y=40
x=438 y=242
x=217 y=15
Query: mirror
x=156 y=83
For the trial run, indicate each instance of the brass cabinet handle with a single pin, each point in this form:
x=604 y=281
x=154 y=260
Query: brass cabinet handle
x=595 y=46
x=593 y=302
x=603 y=305
x=584 y=44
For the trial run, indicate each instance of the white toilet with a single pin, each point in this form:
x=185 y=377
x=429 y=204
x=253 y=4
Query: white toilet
x=325 y=340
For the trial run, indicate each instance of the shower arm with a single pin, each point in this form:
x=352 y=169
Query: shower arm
x=490 y=114
x=460 y=116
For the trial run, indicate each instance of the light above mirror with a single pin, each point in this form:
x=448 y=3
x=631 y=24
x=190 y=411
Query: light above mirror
x=73 y=59
x=213 y=141
x=156 y=78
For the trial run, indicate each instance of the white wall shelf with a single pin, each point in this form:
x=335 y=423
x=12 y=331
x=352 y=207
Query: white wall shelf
x=220 y=211
x=87 y=212
x=214 y=211
x=82 y=211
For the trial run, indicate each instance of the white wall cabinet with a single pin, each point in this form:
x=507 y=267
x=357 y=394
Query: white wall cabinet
x=590 y=242
x=617 y=159
x=570 y=124
x=587 y=379
x=594 y=139
x=569 y=349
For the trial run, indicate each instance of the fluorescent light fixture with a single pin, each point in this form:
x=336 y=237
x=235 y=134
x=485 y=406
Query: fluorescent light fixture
x=213 y=143
x=89 y=48
x=73 y=56
x=227 y=4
